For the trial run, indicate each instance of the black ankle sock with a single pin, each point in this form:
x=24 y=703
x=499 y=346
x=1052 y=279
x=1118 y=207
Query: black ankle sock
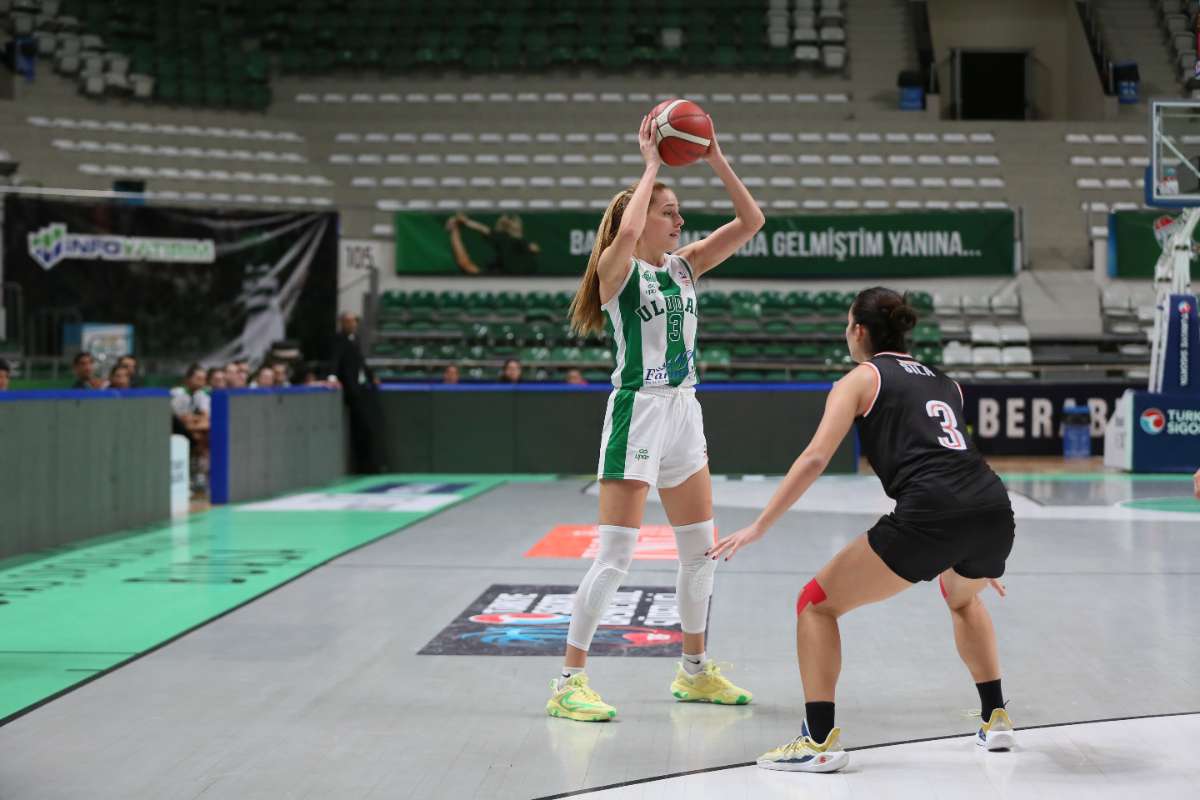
x=820 y=720
x=990 y=698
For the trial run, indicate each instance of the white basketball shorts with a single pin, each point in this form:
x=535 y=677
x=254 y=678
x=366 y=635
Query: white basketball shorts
x=654 y=435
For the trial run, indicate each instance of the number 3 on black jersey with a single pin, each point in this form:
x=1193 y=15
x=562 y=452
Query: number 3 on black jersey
x=953 y=440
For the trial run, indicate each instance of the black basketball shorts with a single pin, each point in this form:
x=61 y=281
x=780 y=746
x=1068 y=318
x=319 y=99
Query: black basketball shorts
x=919 y=548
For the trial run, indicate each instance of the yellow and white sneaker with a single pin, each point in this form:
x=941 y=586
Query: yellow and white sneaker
x=708 y=686
x=578 y=701
x=802 y=754
x=997 y=732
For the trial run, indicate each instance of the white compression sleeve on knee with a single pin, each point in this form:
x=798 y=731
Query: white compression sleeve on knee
x=694 y=581
x=601 y=583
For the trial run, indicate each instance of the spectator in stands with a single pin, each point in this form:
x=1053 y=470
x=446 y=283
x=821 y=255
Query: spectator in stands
x=281 y=374
x=119 y=377
x=5 y=369
x=513 y=255
x=361 y=396
x=234 y=377
x=575 y=377
x=450 y=374
x=85 y=366
x=511 y=371
x=264 y=378
x=191 y=407
x=217 y=379
x=190 y=400
x=130 y=363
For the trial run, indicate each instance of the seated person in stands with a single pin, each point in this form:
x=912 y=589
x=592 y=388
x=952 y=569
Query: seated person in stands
x=281 y=374
x=264 y=378
x=514 y=255
x=4 y=375
x=450 y=374
x=119 y=377
x=234 y=377
x=84 y=366
x=216 y=379
x=511 y=371
x=192 y=407
x=131 y=364
x=575 y=377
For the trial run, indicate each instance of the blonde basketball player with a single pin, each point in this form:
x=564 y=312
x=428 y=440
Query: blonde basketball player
x=640 y=286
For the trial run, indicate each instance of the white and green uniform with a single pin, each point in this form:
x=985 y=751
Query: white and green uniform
x=653 y=427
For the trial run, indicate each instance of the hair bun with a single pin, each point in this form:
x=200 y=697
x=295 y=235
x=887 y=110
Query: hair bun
x=902 y=317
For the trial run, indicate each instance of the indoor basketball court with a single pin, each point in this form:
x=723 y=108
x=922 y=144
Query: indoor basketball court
x=581 y=399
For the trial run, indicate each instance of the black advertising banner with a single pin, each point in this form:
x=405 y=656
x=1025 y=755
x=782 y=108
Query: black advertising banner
x=526 y=620
x=1026 y=418
x=218 y=284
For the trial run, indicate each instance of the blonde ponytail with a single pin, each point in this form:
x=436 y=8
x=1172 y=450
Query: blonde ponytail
x=585 y=313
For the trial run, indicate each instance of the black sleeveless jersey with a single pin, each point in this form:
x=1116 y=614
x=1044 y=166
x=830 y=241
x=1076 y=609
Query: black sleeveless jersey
x=915 y=439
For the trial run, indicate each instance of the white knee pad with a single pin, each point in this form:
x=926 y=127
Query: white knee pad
x=694 y=581
x=601 y=583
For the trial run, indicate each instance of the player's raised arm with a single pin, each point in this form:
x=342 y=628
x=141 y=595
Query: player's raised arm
x=616 y=258
x=726 y=240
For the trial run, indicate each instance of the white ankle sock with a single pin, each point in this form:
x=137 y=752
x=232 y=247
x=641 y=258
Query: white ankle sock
x=567 y=674
x=693 y=664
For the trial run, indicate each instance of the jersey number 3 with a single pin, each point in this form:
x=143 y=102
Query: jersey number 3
x=944 y=414
x=674 y=325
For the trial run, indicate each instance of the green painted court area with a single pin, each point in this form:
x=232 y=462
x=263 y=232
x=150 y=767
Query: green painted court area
x=70 y=614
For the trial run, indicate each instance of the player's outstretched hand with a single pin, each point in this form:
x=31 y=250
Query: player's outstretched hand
x=998 y=586
x=734 y=542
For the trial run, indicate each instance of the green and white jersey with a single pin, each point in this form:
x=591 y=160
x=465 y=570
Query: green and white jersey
x=651 y=324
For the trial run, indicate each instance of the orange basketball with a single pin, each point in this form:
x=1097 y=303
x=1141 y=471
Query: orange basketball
x=684 y=131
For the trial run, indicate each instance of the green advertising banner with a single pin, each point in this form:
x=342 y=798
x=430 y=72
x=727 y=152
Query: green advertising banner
x=1132 y=248
x=817 y=246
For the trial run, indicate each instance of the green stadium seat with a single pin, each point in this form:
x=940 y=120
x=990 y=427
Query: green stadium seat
x=715 y=355
x=800 y=303
x=715 y=327
x=746 y=351
x=927 y=333
x=777 y=327
x=749 y=376
x=921 y=301
x=777 y=376
x=751 y=325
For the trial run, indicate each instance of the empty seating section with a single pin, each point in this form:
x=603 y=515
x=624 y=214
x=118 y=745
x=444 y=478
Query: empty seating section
x=405 y=36
x=983 y=331
x=1108 y=170
x=207 y=54
x=216 y=54
x=788 y=171
x=188 y=162
x=744 y=336
x=1177 y=19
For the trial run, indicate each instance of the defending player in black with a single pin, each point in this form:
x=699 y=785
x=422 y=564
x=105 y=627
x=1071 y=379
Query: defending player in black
x=953 y=521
